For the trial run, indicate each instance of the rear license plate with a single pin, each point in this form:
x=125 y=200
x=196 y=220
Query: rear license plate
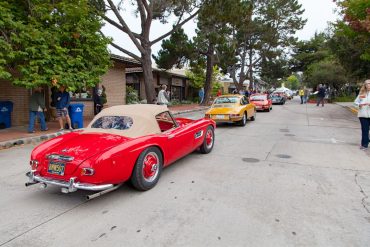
x=258 y=107
x=56 y=167
x=220 y=116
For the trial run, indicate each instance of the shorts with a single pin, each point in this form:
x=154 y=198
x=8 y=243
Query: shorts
x=62 y=113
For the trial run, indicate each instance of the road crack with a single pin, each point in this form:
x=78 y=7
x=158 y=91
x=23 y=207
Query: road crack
x=365 y=197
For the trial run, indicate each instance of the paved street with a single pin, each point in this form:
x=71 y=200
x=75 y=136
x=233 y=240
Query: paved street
x=294 y=177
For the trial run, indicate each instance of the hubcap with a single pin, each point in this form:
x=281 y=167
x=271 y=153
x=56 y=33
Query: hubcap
x=150 y=167
x=244 y=119
x=209 y=138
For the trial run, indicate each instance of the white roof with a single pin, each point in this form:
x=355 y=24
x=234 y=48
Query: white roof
x=143 y=116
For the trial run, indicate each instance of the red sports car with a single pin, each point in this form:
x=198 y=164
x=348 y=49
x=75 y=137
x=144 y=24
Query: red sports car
x=261 y=101
x=128 y=142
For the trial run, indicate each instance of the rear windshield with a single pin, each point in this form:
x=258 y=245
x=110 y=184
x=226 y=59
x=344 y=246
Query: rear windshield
x=258 y=97
x=113 y=122
x=223 y=100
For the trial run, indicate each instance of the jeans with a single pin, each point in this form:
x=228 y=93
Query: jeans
x=365 y=123
x=301 y=99
x=33 y=115
x=305 y=99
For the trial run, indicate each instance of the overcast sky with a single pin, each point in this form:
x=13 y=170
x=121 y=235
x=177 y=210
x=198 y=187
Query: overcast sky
x=317 y=12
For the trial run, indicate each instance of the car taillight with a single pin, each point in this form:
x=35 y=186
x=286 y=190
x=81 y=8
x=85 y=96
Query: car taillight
x=34 y=164
x=87 y=172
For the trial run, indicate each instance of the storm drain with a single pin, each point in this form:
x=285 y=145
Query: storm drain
x=250 y=160
x=283 y=156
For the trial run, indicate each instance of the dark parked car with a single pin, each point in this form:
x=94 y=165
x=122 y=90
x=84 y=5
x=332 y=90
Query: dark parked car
x=277 y=99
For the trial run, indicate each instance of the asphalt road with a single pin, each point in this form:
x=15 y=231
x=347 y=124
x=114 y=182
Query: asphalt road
x=294 y=177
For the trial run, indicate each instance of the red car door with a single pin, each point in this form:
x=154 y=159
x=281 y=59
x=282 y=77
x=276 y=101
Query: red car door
x=179 y=142
x=177 y=138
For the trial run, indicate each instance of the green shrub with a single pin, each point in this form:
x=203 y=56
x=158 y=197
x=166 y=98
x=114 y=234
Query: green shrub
x=348 y=98
x=132 y=96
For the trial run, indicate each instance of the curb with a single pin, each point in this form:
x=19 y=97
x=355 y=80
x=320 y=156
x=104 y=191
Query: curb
x=188 y=111
x=351 y=108
x=29 y=140
x=41 y=138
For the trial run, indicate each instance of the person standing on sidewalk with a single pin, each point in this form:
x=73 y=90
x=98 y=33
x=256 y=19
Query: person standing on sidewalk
x=201 y=95
x=306 y=94
x=163 y=96
x=37 y=108
x=62 y=103
x=363 y=103
x=320 y=95
x=301 y=94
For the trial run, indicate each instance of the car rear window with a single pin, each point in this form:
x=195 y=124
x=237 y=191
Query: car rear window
x=223 y=100
x=113 y=122
x=258 y=97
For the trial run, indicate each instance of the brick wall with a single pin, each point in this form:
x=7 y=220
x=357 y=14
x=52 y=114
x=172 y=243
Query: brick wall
x=20 y=97
x=115 y=84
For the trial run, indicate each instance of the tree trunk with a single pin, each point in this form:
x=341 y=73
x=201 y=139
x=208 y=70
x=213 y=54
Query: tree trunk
x=209 y=73
x=250 y=71
x=148 y=75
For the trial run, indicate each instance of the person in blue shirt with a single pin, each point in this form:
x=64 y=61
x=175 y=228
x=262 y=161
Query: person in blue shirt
x=62 y=102
x=201 y=95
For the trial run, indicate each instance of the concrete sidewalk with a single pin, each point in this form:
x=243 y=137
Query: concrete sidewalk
x=18 y=135
x=348 y=105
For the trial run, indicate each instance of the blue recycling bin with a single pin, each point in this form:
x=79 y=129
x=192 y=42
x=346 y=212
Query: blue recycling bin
x=6 y=108
x=76 y=115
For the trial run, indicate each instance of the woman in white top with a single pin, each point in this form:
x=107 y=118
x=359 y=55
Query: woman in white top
x=363 y=103
x=162 y=96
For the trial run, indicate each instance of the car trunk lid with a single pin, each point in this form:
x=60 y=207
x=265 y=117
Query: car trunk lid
x=72 y=152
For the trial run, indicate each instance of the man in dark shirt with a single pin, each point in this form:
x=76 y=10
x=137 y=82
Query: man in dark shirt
x=37 y=108
x=62 y=103
x=320 y=95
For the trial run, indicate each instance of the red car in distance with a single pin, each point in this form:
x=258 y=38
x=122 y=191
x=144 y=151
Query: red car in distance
x=261 y=101
x=122 y=143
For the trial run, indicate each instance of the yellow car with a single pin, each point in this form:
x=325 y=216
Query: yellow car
x=232 y=108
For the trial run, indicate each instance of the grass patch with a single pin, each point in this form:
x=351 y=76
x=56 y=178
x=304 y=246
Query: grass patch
x=344 y=99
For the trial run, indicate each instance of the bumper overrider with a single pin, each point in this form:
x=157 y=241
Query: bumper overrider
x=67 y=187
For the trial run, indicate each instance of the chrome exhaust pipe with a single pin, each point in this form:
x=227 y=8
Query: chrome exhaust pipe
x=31 y=183
x=90 y=197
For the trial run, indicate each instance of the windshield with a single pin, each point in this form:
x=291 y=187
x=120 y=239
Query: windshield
x=113 y=122
x=223 y=100
x=275 y=96
x=258 y=98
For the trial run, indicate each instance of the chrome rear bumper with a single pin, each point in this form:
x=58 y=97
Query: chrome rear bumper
x=71 y=186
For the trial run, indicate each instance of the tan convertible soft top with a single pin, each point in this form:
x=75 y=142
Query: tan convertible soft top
x=143 y=116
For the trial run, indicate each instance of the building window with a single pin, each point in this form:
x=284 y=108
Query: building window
x=82 y=94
